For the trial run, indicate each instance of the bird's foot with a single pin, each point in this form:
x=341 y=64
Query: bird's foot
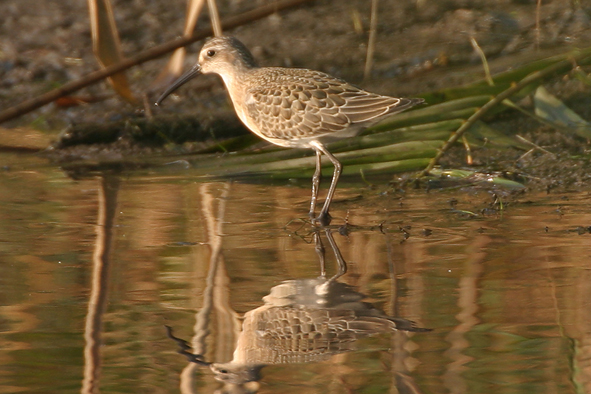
x=321 y=220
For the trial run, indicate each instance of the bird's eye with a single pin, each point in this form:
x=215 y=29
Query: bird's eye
x=211 y=53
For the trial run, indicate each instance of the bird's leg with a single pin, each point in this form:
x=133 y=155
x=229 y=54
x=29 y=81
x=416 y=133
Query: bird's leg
x=320 y=252
x=337 y=253
x=324 y=217
x=316 y=184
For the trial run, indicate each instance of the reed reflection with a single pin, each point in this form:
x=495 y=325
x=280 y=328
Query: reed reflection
x=301 y=321
x=101 y=261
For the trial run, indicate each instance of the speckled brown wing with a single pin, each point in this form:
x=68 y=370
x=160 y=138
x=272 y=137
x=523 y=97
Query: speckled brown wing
x=290 y=335
x=296 y=104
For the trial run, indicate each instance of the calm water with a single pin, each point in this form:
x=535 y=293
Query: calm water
x=93 y=269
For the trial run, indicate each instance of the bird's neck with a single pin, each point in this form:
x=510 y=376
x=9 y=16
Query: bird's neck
x=234 y=78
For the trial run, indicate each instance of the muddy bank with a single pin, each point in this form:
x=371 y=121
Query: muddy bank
x=421 y=47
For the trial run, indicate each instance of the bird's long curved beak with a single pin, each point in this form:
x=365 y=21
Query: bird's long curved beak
x=192 y=73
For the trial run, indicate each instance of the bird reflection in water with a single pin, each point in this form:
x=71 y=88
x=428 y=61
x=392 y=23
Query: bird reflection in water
x=302 y=321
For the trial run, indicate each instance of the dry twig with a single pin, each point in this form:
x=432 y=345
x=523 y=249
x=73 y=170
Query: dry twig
x=150 y=54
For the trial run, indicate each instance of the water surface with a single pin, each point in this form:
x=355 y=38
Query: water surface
x=94 y=268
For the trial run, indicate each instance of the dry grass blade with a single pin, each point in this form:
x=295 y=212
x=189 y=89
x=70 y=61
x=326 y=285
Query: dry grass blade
x=453 y=109
x=171 y=71
x=533 y=79
x=535 y=146
x=150 y=54
x=175 y=65
x=371 y=44
x=552 y=110
x=460 y=178
x=106 y=45
x=294 y=171
x=284 y=163
x=538 y=12
x=506 y=79
x=214 y=15
x=480 y=52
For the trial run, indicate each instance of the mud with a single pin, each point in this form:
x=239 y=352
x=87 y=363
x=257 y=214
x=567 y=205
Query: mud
x=421 y=47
